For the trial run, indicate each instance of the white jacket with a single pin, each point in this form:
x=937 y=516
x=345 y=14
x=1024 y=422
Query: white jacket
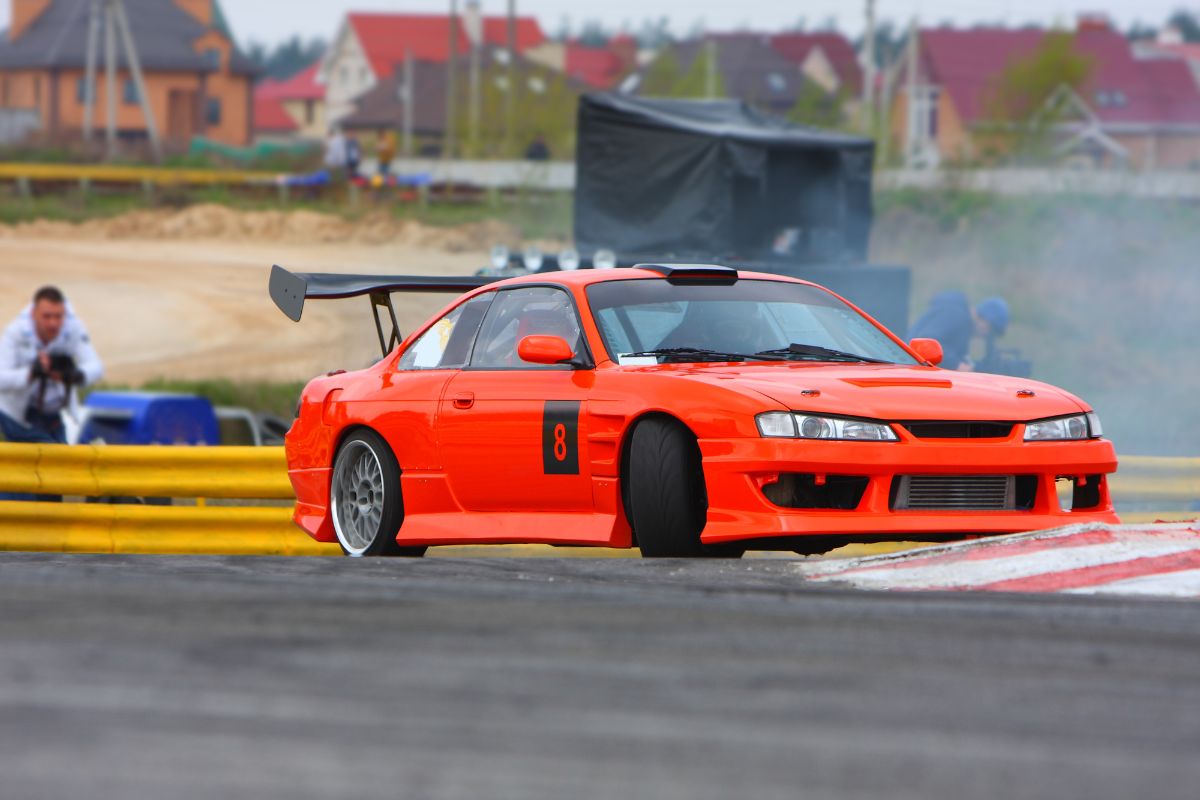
x=19 y=348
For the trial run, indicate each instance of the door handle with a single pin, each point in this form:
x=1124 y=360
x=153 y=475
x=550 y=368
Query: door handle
x=464 y=399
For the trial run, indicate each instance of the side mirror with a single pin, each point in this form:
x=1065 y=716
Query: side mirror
x=928 y=349
x=544 y=350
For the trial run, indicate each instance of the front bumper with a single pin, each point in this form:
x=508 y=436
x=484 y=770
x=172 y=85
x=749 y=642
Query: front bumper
x=736 y=470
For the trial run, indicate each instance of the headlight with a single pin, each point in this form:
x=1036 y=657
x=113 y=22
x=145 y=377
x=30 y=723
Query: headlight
x=784 y=425
x=1075 y=427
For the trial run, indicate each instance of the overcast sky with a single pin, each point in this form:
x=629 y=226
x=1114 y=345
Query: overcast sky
x=274 y=20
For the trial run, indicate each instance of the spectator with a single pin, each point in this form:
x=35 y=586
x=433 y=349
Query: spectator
x=951 y=320
x=45 y=356
x=335 y=154
x=386 y=150
x=353 y=156
x=538 y=150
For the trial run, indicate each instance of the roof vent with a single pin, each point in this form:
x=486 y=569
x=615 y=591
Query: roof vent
x=692 y=271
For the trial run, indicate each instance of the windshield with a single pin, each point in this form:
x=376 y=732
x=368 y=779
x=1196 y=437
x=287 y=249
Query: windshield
x=748 y=320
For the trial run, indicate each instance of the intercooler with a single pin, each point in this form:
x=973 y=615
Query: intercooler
x=955 y=493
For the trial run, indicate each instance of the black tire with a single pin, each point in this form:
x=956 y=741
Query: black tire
x=365 y=500
x=665 y=491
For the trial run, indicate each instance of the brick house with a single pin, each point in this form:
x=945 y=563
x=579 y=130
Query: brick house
x=1135 y=111
x=197 y=80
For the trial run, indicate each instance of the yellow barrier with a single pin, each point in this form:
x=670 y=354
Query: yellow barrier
x=1151 y=479
x=246 y=473
x=103 y=173
x=102 y=528
x=261 y=473
x=108 y=470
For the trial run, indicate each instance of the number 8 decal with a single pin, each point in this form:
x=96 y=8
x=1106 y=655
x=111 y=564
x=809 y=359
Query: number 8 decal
x=560 y=437
x=560 y=442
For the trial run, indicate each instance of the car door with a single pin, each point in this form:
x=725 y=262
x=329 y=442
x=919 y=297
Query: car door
x=513 y=433
x=404 y=406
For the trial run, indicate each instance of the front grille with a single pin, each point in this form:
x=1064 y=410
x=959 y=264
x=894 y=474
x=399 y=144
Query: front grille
x=958 y=430
x=963 y=492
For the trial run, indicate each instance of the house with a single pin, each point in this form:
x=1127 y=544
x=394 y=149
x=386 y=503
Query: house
x=369 y=47
x=292 y=108
x=197 y=80
x=597 y=66
x=745 y=67
x=1132 y=110
x=546 y=97
x=826 y=58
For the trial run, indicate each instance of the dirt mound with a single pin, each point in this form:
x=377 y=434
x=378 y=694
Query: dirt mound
x=210 y=221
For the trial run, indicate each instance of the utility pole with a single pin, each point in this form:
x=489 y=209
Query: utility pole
x=475 y=35
x=116 y=21
x=110 y=82
x=868 y=89
x=710 y=71
x=89 y=81
x=451 y=85
x=409 y=104
x=911 y=99
x=510 y=97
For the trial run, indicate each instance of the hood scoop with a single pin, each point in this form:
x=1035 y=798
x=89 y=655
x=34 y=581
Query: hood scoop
x=888 y=383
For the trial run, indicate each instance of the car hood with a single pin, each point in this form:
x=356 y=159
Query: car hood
x=890 y=392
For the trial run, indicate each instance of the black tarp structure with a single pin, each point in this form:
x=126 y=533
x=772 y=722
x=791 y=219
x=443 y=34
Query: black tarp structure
x=716 y=180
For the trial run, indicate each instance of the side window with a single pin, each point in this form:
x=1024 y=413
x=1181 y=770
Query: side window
x=518 y=313
x=447 y=343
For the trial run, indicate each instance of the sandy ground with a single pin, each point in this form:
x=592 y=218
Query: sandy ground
x=193 y=303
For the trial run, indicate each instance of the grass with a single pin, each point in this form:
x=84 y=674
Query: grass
x=534 y=215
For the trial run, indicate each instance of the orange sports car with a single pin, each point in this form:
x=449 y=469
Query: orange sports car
x=687 y=410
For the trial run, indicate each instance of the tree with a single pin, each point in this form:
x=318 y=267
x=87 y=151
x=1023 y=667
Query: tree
x=662 y=76
x=818 y=108
x=287 y=58
x=1033 y=93
x=1187 y=23
x=545 y=106
x=695 y=82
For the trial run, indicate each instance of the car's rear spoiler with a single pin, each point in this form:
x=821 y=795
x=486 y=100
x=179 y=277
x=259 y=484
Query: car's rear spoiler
x=289 y=290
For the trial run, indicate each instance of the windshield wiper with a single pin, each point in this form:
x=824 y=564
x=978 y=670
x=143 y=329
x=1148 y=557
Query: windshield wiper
x=700 y=353
x=819 y=353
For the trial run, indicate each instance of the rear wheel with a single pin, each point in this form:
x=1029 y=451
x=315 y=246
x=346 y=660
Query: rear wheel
x=364 y=498
x=666 y=497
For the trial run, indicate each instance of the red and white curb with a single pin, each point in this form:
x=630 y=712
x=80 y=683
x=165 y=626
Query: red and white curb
x=1151 y=560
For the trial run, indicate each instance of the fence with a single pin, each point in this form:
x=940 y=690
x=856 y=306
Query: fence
x=260 y=473
x=110 y=472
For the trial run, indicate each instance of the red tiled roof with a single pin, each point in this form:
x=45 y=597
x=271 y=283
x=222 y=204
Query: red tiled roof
x=387 y=38
x=302 y=86
x=529 y=32
x=270 y=116
x=598 y=67
x=1121 y=89
x=795 y=47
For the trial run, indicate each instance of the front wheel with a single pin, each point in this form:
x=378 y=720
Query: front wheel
x=364 y=498
x=667 y=503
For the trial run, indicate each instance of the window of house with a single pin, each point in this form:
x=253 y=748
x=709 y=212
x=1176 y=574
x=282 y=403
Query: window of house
x=212 y=59
x=310 y=112
x=81 y=92
x=130 y=92
x=777 y=82
x=37 y=92
x=212 y=111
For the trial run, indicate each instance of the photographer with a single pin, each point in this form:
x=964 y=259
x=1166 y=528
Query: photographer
x=953 y=322
x=45 y=356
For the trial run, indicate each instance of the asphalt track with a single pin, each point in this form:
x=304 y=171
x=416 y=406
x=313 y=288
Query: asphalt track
x=205 y=677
